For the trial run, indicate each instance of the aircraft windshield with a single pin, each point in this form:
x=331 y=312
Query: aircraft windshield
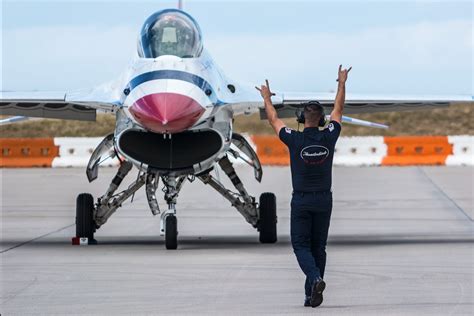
x=170 y=32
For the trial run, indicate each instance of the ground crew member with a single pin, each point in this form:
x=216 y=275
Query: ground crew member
x=311 y=156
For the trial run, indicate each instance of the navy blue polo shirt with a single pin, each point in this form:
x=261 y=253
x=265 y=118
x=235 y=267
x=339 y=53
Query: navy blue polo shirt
x=311 y=156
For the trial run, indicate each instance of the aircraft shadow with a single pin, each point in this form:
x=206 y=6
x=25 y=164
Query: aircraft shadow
x=234 y=242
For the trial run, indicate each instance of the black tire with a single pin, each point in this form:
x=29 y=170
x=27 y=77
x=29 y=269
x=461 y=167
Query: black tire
x=171 y=232
x=267 y=223
x=85 y=226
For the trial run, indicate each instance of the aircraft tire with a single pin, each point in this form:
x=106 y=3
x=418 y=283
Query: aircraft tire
x=267 y=223
x=85 y=226
x=171 y=232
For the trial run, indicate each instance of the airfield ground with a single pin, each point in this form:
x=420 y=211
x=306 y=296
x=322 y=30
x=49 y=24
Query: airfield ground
x=401 y=243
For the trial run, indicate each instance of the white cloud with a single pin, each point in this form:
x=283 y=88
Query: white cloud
x=65 y=57
x=395 y=55
x=421 y=58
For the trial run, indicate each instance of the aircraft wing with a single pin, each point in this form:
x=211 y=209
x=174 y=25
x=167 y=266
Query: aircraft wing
x=80 y=105
x=287 y=103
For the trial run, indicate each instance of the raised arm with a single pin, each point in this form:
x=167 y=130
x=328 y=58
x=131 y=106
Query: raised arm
x=272 y=116
x=336 y=114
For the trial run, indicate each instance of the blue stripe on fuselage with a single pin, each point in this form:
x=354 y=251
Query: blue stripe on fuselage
x=176 y=75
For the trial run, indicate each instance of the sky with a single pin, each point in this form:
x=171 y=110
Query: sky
x=394 y=47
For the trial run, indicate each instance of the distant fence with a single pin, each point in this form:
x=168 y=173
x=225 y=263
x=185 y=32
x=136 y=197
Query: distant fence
x=350 y=151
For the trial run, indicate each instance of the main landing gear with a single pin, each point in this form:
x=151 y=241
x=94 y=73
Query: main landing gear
x=261 y=215
x=267 y=224
x=85 y=226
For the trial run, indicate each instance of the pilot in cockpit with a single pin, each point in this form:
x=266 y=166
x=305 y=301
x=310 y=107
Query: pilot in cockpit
x=170 y=33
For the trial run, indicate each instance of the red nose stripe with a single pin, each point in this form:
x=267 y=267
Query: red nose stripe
x=166 y=112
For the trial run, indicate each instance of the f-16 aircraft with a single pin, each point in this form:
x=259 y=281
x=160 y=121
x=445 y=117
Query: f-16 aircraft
x=174 y=110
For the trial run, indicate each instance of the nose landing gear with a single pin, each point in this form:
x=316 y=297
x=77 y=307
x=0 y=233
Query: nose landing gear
x=169 y=222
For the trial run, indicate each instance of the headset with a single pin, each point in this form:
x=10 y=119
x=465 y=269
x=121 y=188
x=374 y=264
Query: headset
x=300 y=114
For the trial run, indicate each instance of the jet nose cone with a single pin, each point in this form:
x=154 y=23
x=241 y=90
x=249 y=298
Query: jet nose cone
x=166 y=112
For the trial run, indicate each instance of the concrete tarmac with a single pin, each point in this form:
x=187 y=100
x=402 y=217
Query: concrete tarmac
x=401 y=243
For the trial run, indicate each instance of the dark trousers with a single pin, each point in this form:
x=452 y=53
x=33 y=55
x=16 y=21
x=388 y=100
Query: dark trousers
x=310 y=217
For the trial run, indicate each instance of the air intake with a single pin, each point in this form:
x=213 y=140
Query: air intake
x=181 y=151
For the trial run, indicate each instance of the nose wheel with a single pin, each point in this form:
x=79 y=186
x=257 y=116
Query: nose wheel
x=171 y=232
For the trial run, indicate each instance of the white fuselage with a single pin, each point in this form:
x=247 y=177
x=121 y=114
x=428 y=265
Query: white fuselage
x=169 y=95
x=174 y=106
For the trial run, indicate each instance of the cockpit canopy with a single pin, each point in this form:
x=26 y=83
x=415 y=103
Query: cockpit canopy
x=170 y=32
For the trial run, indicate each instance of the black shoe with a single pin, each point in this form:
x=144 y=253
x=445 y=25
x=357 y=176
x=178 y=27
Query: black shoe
x=307 y=301
x=317 y=292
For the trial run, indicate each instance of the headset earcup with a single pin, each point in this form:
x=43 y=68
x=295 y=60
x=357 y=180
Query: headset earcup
x=322 y=121
x=300 y=117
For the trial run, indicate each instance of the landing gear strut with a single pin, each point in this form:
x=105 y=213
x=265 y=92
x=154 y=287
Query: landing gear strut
x=109 y=203
x=169 y=222
x=89 y=217
x=262 y=216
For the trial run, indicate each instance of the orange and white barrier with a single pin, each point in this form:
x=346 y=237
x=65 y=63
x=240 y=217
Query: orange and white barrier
x=360 y=151
x=463 y=151
x=350 y=151
x=382 y=151
x=76 y=152
x=270 y=150
x=27 y=152
x=414 y=150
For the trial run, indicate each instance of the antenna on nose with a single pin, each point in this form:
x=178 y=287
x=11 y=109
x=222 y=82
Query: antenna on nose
x=180 y=4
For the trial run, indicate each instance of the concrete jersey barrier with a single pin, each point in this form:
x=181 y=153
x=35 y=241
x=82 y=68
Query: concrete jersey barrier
x=463 y=151
x=76 y=152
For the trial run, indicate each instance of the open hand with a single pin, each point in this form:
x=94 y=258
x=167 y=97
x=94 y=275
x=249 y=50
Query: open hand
x=342 y=74
x=265 y=90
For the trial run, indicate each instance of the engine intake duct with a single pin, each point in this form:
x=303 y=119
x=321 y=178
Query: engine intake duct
x=180 y=151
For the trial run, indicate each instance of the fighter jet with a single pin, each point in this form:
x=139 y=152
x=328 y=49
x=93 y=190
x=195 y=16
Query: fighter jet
x=174 y=110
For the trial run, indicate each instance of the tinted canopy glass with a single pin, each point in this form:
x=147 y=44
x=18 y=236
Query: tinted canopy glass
x=170 y=32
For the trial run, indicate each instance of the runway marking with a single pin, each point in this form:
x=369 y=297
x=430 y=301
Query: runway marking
x=445 y=195
x=34 y=239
